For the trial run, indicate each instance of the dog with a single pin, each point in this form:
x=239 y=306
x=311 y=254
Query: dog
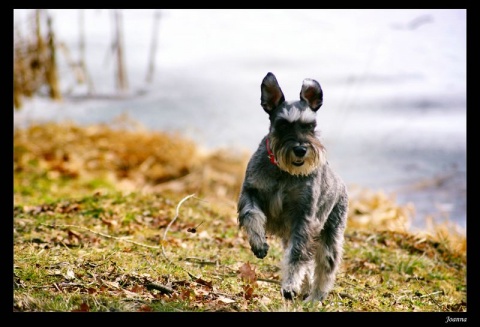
x=289 y=191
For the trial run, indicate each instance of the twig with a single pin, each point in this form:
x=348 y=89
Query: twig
x=136 y=243
x=201 y=261
x=165 y=235
x=101 y=234
x=432 y=298
x=425 y=295
x=174 y=218
x=397 y=300
x=58 y=289
x=160 y=287
x=268 y=281
x=342 y=295
x=226 y=295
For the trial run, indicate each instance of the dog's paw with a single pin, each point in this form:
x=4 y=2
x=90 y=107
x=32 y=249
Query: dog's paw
x=289 y=294
x=260 y=251
x=318 y=296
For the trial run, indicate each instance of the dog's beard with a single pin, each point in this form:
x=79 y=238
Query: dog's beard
x=290 y=163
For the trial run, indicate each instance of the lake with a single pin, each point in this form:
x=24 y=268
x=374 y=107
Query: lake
x=394 y=83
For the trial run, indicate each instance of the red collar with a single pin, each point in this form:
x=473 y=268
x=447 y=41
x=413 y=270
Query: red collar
x=270 y=154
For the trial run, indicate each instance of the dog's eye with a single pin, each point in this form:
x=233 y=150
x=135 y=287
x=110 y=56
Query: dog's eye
x=282 y=125
x=309 y=127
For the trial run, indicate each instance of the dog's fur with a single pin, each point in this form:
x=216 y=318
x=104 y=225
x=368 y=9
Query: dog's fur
x=290 y=192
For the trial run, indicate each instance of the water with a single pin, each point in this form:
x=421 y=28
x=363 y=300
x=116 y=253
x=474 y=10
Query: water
x=394 y=81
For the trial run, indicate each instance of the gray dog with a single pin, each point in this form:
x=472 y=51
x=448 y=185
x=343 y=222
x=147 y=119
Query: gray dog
x=291 y=192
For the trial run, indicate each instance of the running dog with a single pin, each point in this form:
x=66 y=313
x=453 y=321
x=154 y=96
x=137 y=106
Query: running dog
x=291 y=192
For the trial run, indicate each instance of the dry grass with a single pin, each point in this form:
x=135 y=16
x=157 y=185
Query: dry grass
x=92 y=208
x=135 y=159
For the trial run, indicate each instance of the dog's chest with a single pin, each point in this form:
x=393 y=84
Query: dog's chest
x=282 y=198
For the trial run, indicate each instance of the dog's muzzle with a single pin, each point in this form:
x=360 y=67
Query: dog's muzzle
x=295 y=157
x=299 y=152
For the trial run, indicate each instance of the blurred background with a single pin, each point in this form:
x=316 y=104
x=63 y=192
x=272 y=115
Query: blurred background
x=394 y=83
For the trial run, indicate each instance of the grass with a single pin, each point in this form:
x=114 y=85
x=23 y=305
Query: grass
x=104 y=220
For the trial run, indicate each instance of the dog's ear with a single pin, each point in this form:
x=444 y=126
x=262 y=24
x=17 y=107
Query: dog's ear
x=272 y=95
x=312 y=93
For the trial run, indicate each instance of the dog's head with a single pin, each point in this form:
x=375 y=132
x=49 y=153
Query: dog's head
x=292 y=138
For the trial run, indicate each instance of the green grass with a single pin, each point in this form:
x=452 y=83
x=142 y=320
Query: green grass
x=92 y=264
x=82 y=242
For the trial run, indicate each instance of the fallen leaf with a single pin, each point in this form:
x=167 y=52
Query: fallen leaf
x=225 y=300
x=73 y=234
x=145 y=308
x=370 y=265
x=109 y=223
x=205 y=283
x=200 y=292
x=247 y=274
x=204 y=234
x=137 y=289
x=70 y=274
x=186 y=294
x=248 y=292
x=91 y=290
x=129 y=294
x=111 y=284
x=265 y=300
x=82 y=308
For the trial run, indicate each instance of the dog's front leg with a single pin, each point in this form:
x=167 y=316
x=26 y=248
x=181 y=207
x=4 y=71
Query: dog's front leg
x=252 y=218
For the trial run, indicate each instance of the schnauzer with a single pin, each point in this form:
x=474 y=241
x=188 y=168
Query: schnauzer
x=291 y=192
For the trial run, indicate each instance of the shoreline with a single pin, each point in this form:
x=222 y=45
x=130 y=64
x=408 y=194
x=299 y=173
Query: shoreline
x=424 y=189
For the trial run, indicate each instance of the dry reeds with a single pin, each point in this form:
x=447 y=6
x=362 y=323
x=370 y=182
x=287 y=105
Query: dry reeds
x=378 y=210
x=35 y=61
x=130 y=155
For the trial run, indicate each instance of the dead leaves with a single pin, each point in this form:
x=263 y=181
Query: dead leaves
x=200 y=294
x=91 y=278
x=57 y=150
x=247 y=274
x=82 y=308
x=65 y=207
x=249 y=279
x=72 y=151
x=128 y=155
x=377 y=210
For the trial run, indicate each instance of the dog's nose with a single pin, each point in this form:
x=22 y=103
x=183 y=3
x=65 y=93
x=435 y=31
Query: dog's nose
x=299 y=151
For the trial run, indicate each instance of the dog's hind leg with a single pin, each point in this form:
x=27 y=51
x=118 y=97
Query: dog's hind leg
x=308 y=277
x=328 y=256
x=297 y=268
